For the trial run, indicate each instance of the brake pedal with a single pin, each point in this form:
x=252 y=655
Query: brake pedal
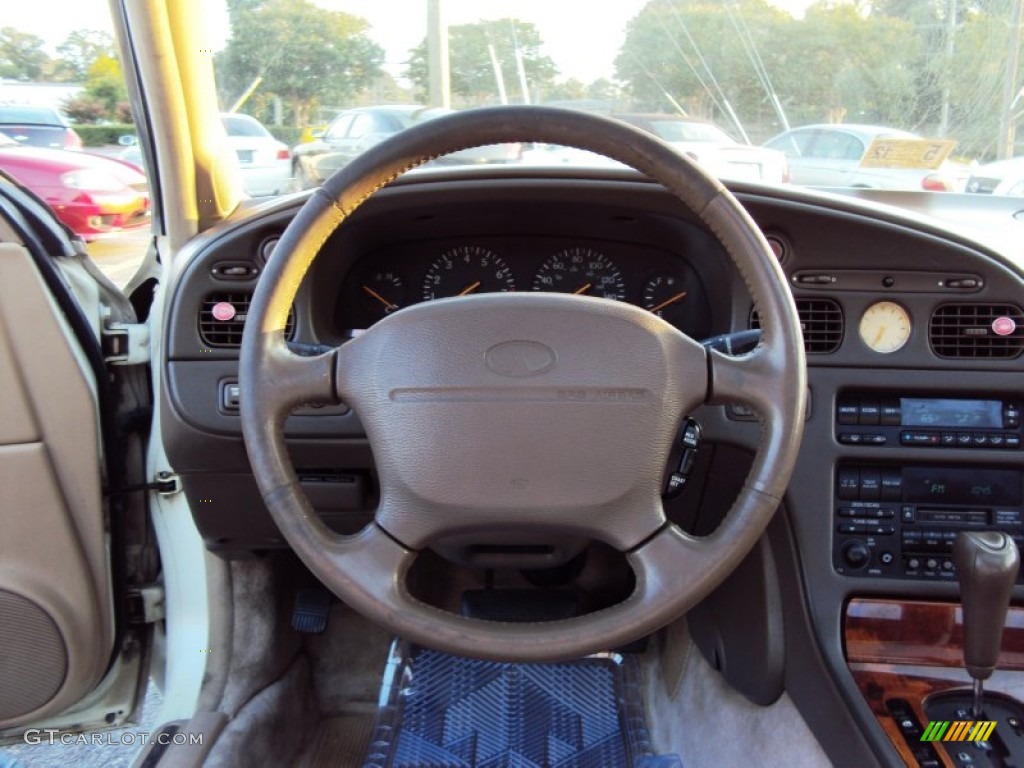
x=312 y=607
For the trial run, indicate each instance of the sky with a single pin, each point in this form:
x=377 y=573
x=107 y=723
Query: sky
x=563 y=24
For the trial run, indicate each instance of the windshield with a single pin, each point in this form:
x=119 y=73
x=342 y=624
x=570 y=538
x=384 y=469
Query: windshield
x=893 y=94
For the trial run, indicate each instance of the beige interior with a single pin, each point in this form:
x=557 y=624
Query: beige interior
x=56 y=625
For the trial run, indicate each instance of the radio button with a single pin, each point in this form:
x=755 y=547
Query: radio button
x=849 y=483
x=846 y=412
x=892 y=485
x=870 y=484
x=931 y=563
x=850 y=438
x=947 y=565
x=995 y=440
x=1012 y=441
x=913 y=563
x=887 y=513
x=847 y=512
x=979 y=441
x=849 y=528
x=908 y=515
x=884 y=530
x=963 y=438
x=948 y=439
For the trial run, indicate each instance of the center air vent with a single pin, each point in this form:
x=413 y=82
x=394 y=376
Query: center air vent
x=222 y=319
x=977 y=331
x=821 y=321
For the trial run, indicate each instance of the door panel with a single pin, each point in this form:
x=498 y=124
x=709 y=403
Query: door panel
x=56 y=614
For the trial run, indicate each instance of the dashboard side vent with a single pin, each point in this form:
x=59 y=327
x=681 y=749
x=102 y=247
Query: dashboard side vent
x=821 y=321
x=977 y=331
x=222 y=319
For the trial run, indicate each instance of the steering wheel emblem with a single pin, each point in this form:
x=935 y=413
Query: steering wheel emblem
x=520 y=359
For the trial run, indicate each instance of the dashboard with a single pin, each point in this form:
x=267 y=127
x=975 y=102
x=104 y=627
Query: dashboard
x=914 y=336
x=659 y=280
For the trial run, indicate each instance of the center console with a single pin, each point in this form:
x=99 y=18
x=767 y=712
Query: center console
x=898 y=519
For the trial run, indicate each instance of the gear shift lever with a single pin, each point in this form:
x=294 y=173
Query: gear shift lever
x=986 y=565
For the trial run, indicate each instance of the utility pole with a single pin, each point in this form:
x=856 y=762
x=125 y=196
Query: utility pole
x=1007 y=130
x=437 y=56
x=950 y=37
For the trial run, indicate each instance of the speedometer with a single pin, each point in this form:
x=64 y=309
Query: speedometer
x=581 y=271
x=467 y=269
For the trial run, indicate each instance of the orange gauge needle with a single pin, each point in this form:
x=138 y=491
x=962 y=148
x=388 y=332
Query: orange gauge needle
x=582 y=289
x=387 y=304
x=469 y=288
x=678 y=297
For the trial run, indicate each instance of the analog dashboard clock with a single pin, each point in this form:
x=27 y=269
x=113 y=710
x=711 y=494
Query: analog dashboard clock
x=885 y=327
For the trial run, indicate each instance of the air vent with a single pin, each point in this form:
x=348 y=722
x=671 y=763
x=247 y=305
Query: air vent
x=977 y=331
x=222 y=319
x=821 y=321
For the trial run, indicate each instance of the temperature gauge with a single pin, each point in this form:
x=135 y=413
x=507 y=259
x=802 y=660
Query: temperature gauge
x=383 y=293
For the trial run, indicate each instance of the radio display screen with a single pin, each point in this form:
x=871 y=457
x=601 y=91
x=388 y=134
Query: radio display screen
x=952 y=414
x=943 y=485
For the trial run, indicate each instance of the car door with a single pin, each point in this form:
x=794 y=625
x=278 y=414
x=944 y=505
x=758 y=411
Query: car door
x=78 y=571
x=831 y=158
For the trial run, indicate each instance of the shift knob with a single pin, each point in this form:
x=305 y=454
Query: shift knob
x=986 y=565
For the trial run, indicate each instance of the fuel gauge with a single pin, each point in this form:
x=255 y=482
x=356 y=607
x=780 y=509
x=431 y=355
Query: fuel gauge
x=663 y=295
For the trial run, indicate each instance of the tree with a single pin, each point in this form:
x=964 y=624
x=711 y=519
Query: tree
x=78 y=52
x=837 y=63
x=304 y=54
x=472 y=72
x=21 y=55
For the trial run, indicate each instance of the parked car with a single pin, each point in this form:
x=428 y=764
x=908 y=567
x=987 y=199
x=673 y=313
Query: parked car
x=38 y=127
x=713 y=148
x=998 y=175
x=830 y=155
x=94 y=196
x=354 y=131
x=266 y=162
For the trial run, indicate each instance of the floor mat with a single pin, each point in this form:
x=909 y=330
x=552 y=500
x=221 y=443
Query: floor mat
x=443 y=711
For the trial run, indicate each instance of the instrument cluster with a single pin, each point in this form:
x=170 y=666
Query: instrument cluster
x=388 y=280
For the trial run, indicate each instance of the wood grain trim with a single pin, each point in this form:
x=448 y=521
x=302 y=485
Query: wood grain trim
x=920 y=633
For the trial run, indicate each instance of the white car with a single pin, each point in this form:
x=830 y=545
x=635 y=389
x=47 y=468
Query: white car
x=266 y=163
x=1002 y=177
x=833 y=155
x=713 y=148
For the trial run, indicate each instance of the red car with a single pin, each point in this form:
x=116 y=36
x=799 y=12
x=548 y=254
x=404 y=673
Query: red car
x=95 y=196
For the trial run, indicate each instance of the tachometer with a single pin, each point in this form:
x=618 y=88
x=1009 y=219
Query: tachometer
x=464 y=270
x=581 y=271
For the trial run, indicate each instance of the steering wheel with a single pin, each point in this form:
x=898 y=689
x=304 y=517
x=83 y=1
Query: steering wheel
x=530 y=412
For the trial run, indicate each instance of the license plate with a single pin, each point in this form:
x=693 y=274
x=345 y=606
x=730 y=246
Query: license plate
x=244 y=155
x=745 y=171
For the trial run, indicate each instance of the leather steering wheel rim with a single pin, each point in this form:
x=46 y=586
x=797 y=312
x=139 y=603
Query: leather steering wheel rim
x=400 y=404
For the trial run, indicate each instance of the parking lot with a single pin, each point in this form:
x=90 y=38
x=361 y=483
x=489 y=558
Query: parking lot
x=119 y=257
